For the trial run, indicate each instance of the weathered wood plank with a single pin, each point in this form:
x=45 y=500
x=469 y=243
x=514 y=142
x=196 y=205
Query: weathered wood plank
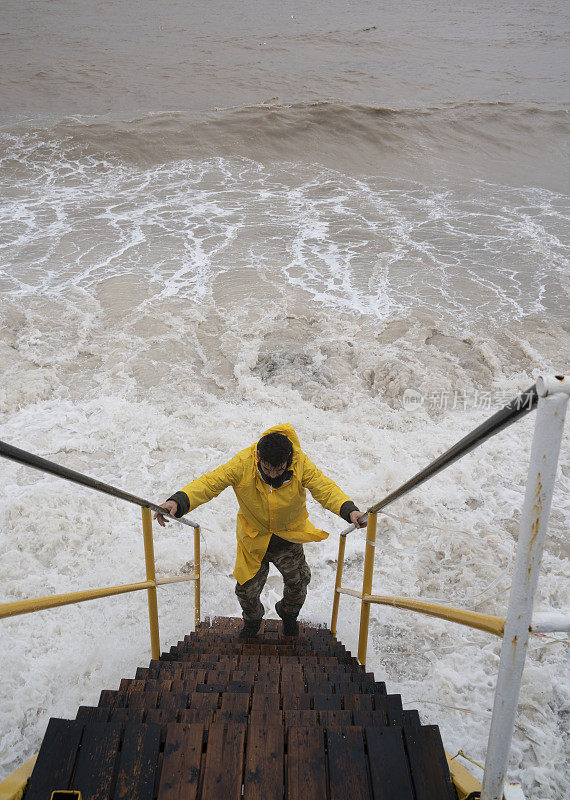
x=56 y=759
x=291 y=668
x=224 y=762
x=373 y=688
x=161 y=716
x=247 y=676
x=235 y=702
x=346 y=687
x=170 y=700
x=244 y=687
x=188 y=673
x=157 y=685
x=425 y=754
x=109 y=697
x=389 y=768
x=96 y=761
x=318 y=686
x=304 y=718
x=436 y=759
x=392 y=704
x=337 y=718
x=92 y=714
x=323 y=702
x=192 y=715
x=293 y=681
x=411 y=718
x=231 y=716
x=306 y=764
x=138 y=762
x=127 y=714
x=264 y=701
x=179 y=778
x=264 y=758
x=203 y=700
x=358 y=702
x=266 y=718
x=216 y=688
x=347 y=764
x=377 y=717
x=296 y=702
x=269 y=674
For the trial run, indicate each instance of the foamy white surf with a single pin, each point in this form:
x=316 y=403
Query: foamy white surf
x=156 y=319
x=191 y=229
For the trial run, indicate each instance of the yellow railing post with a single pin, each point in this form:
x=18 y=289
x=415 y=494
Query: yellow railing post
x=197 y=573
x=338 y=583
x=367 y=586
x=151 y=576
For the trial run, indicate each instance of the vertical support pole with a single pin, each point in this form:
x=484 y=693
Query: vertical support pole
x=534 y=519
x=367 y=586
x=338 y=583
x=151 y=576
x=197 y=573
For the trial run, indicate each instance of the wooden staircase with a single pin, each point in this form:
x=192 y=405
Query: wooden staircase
x=218 y=718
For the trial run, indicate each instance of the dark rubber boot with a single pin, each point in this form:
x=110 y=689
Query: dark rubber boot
x=250 y=628
x=290 y=624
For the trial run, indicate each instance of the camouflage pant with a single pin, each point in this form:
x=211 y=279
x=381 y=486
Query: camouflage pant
x=290 y=561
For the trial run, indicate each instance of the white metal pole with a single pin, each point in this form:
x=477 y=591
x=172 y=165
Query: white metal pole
x=553 y=398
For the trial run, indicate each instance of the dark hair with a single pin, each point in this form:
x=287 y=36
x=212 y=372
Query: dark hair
x=276 y=449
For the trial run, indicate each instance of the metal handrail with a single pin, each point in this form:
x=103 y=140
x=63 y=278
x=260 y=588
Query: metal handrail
x=518 y=407
x=17 y=607
x=39 y=603
x=472 y=619
x=37 y=462
x=521 y=405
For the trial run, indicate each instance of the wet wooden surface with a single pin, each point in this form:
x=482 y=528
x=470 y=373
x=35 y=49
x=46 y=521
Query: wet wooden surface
x=95 y=764
x=273 y=718
x=181 y=762
x=265 y=751
x=56 y=759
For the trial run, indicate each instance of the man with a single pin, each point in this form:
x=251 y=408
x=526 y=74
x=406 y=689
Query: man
x=269 y=479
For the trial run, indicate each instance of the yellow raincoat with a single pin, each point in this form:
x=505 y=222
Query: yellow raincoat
x=264 y=511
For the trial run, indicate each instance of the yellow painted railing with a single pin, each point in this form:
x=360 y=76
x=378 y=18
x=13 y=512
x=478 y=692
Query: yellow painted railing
x=12 y=787
x=462 y=616
x=40 y=603
x=54 y=601
x=515 y=410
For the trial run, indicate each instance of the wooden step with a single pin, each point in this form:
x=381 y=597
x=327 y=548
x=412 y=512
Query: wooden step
x=219 y=718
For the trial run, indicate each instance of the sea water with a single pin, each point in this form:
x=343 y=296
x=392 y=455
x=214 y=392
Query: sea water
x=347 y=216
